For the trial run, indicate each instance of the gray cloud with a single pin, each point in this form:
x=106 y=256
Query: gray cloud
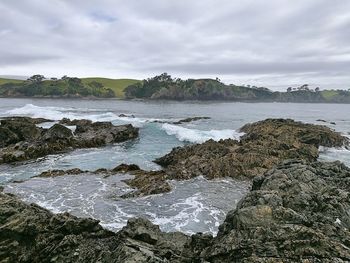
x=270 y=43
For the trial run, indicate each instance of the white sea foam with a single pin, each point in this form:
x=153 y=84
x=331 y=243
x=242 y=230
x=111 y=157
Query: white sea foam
x=199 y=136
x=57 y=113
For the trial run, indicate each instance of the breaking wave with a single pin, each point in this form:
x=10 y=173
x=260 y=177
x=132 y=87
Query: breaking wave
x=199 y=136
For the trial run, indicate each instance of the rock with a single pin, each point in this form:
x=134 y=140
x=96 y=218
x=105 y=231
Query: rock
x=106 y=132
x=126 y=116
x=7 y=137
x=191 y=119
x=58 y=132
x=265 y=144
x=27 y=119
x=144 y=182
x=125 y=168
x=54 y=173
x=295 y=211
x=147 y=183
x=30 y=233
x=21 y=141
x=68 y=122
x=25 y=130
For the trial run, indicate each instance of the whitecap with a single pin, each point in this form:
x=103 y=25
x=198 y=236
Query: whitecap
x=199 y=136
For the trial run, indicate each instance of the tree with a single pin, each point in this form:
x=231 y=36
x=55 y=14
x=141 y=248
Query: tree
x=36 y=78
x=289 y=89
x=317 y=89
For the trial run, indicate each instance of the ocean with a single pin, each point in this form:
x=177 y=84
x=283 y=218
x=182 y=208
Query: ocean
x=196 y=205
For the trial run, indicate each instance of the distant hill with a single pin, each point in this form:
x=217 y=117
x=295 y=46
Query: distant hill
x=38 y=86
x=166 y=88
x=162 y=87
x=6 y=80
x=117 y=85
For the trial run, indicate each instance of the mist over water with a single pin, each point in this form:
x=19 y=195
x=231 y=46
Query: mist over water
x=194 y=205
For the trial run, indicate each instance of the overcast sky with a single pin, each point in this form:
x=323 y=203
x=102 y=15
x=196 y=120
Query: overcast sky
x=273 y=43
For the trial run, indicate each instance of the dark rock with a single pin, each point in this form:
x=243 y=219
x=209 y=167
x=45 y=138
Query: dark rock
x=147 y=183
x=124 y=168
x=7 y=137
x=296 y=211
x=144 y=182
x=29 y=233
x=191 y=119
x=24 y=130
x=58 y=132
x=21 y=141
x=126 y=116
x=54 y=173
x=27 y=119
x=69 y=122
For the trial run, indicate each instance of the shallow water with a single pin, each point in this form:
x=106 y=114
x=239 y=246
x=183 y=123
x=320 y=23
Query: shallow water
x=195 y=205
x=192 y=206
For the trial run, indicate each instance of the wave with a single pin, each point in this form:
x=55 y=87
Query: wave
x=199 y=136
x=57 y=113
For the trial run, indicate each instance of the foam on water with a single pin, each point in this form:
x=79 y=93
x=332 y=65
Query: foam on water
x=57 y=113
x=199 y=136
x=333 y=154
x=196 y=205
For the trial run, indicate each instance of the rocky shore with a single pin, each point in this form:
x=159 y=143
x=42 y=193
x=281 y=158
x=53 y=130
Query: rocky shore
x=298 y=209
x=21 y=139
x=295 y=212
x=263 y=145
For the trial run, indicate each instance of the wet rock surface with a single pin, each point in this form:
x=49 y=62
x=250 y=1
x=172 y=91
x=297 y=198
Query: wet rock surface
x=295 y=212
x=21 y=139
x=265 y=144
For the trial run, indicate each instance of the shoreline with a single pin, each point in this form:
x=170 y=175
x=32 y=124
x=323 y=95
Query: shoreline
x=170 y=101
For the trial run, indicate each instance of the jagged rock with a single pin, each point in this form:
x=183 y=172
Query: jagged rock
x=58 y=132
x=25 y=130
x=190 y=119
x=265 y=144
x=54 y=173
x=147 y=183
x=27 y=119
x=69 y=122
x=294 y=213
x=7 y=137
x=144 y=182
x=124 y=168
x=24 y=140
x=29 y=233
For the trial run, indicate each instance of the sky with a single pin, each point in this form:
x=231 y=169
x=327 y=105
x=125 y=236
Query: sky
x=271 y=43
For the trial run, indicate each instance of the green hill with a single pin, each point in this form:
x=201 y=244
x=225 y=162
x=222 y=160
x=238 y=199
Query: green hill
x=5 y=81
x=117 y=85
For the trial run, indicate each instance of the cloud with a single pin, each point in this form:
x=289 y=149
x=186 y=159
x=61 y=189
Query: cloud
x=265 y=43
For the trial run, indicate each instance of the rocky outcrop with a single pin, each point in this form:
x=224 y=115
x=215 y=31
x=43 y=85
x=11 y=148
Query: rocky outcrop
x=21 y=139
x=296 y=212
x=265 y=144
x=29 y=233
